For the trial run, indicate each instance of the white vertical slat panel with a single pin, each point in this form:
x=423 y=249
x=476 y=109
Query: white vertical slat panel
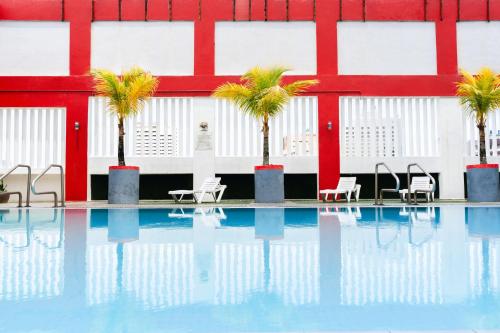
x=238 y=134
x=164 y=128
x=29 y=129
x=387 y=126
x=471 y=135
x=59 y=142
x=33 y=136
x=4 y=144
x=36 y=139
x=51 y=138
x=20 y=127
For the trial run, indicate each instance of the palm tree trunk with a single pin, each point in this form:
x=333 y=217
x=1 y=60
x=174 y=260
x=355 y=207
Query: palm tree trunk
x=482 y=144
x=265 y=131
x=121 y=133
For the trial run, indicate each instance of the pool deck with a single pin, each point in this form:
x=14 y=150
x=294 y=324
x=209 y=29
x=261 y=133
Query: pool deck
x=252 y=204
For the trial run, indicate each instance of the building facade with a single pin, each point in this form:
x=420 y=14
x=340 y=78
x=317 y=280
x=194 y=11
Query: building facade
x=386 y=68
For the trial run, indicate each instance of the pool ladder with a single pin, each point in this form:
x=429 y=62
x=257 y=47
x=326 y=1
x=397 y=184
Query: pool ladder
x=31 y=186
x=28 y=182
x=379 y=195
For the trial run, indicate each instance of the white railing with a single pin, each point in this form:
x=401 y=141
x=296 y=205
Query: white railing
x=294 y=132
x=389 y=127
x=471 y=135
x=163 y=129
x=34 y=136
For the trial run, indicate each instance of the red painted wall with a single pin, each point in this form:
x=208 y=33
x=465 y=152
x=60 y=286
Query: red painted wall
x=73 y=91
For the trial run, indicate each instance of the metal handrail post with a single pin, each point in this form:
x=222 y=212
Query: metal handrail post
x=28 y=182
x=379 y=196
x=54 y=193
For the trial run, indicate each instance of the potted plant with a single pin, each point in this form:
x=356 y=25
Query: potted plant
x=263 y=95
x=480 y=95
x=4 y=197
x=126 y=97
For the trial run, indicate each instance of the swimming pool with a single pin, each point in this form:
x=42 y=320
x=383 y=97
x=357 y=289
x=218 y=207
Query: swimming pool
x=249 y=270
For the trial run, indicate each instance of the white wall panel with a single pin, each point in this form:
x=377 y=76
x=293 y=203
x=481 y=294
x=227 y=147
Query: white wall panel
x=386 y=48
x=492 y=131
x=164 y=48
x=293 y=133
x=163 y=129
x=389 y=127
x=34 y=136
x=242 y=45
x=34 y=48
x=477 y=46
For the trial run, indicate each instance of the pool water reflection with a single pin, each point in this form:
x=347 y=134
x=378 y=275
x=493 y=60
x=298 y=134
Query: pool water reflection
x=258 y=270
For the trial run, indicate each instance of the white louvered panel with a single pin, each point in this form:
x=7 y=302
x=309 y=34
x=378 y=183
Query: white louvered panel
x=388 y=127
x=163 y=129
x=294 y=132
x=471 y=135
x=33 y=136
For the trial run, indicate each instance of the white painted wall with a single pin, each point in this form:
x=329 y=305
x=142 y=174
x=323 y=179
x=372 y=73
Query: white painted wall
x=451 y=143
x=242 y=45
x=431 y=133
x=477 y=46
x=34 y=48
x=386 y=48
x=164 y=48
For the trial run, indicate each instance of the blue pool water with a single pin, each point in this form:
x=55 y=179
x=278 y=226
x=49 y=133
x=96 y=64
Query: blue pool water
x=249 y=270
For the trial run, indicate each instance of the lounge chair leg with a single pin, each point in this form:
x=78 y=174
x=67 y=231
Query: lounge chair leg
x=221 y=192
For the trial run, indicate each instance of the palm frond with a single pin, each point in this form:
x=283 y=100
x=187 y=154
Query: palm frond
x=261 y=92
x=126 y=94
x=300 y=86
x=479 y=94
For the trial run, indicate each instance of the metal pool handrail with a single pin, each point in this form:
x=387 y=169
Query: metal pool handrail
x=54 y=193
x=28 y=182
x=381 y=196
x=408 y=175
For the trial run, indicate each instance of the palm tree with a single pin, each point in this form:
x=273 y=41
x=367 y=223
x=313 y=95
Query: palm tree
x=480 y=95
x=126 y=95
x=262 y=95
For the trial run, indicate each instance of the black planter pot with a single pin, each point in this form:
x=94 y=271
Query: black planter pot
x=483 y=183
x=269 y=184
x=123 y=185
x=4 y=198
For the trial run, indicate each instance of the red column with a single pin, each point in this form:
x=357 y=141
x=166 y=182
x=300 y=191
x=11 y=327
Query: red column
x=79 y=14
x=329 y=147
x=204 y=40
x=327 y=14
x=76 y=147
x=446 y=39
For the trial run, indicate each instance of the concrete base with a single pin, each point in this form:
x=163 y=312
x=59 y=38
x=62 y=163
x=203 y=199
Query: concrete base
x=483 y=183
x=123 y=185
x=269 y=184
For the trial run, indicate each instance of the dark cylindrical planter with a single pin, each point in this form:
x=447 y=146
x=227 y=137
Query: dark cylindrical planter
x=482 y=183
x=269 y=184
x=123 y=185
x=4 y=198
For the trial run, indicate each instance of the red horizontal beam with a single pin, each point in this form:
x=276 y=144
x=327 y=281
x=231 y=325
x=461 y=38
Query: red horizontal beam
x=442 y=85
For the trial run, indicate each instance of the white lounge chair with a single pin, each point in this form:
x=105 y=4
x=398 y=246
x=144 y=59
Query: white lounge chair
x=210 y=186
x=346 y=186
x=419 y=184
